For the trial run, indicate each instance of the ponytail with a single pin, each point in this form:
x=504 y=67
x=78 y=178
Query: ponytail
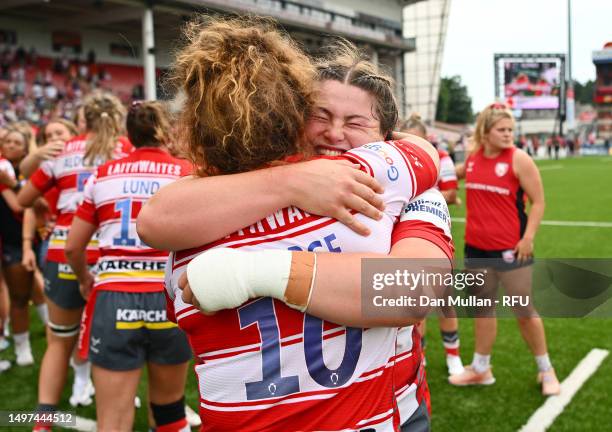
x=104 y=116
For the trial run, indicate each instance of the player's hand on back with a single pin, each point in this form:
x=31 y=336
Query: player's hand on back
x=334 y=188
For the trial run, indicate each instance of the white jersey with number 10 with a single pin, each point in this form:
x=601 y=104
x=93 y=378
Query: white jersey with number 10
x=267 y=367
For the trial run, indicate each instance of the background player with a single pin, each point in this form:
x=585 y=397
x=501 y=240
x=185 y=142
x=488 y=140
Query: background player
x=68 y=172
x=125 y=320
x=447 y=184
x=499 y=236
x=20 y=281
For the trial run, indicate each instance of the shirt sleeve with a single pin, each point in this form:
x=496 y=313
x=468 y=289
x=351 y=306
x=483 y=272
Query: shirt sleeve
x=426 y=217
x=403 y=169
x=87 y=209
x=43 y=178
x=448 y=176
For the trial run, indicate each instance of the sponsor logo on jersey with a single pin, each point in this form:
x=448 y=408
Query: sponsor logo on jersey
x=501 y=168
x=427 y=206
x=131 y=315
x=133 y=319
x=140 y=265
x=470 y=166
x=392 y=172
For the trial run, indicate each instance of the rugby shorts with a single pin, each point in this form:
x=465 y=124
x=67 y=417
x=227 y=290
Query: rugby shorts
x=500 y=260
x=127 y=329
x=61 y=286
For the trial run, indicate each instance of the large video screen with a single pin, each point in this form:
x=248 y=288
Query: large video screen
x=532 y=85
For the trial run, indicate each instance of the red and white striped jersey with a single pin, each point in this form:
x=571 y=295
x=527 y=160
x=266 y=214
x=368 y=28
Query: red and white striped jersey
x=448 y=175
x=69 y=173
x=7 y=167
x=113 y=198
x=267 y=367
x=426 y=217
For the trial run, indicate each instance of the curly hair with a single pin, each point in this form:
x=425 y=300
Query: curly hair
x=346 y=64
x=247 y=90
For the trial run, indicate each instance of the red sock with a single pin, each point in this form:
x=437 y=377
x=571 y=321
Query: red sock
x=177 y=426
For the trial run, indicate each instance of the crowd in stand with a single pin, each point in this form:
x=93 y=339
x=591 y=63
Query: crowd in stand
x=36 y=91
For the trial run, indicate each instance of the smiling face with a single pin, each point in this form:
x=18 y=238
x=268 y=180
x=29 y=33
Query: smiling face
x=501 y=135
x=343 y=118
x=57 y=131
x=14 y=147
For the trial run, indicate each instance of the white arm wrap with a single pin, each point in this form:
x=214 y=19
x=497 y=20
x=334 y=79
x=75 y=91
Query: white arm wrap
x=226 y=278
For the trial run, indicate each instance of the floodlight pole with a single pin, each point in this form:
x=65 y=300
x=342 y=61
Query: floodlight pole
x=148 y=52
x=571 y=107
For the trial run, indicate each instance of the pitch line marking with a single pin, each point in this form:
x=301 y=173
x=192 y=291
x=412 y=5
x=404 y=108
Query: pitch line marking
x=554 y=405
x=551 y=167
x=563 y=223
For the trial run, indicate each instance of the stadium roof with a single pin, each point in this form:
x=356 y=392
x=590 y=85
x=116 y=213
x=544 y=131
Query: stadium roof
x=125 y=16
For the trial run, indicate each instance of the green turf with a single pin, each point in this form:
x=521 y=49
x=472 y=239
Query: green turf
x=580 y=190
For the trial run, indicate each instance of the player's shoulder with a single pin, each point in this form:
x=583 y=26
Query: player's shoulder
x=419 y=144
x=522 y=162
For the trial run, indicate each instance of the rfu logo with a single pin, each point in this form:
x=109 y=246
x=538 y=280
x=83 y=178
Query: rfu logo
x=470 y=166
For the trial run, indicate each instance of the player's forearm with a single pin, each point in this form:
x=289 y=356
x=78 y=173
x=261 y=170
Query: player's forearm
x=76 y=256
x=450 y=196
x=75 y=250
x=536 y=214
x=337 y=291
x=11 y=200
x=29 y=228
x=196 y=211
x=28 y=194
x=30 y=164
x=337 y=294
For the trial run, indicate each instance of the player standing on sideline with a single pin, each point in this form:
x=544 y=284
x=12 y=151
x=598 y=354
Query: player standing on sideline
x=7 y=179
x=125 y=321
x=19 y=280
x=447 y=184
x=39 y=222
x=499 y=236
x=104 y=116
x=187 y=317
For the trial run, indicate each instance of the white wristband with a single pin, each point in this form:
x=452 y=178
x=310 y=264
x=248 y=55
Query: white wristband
x=226 y=278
